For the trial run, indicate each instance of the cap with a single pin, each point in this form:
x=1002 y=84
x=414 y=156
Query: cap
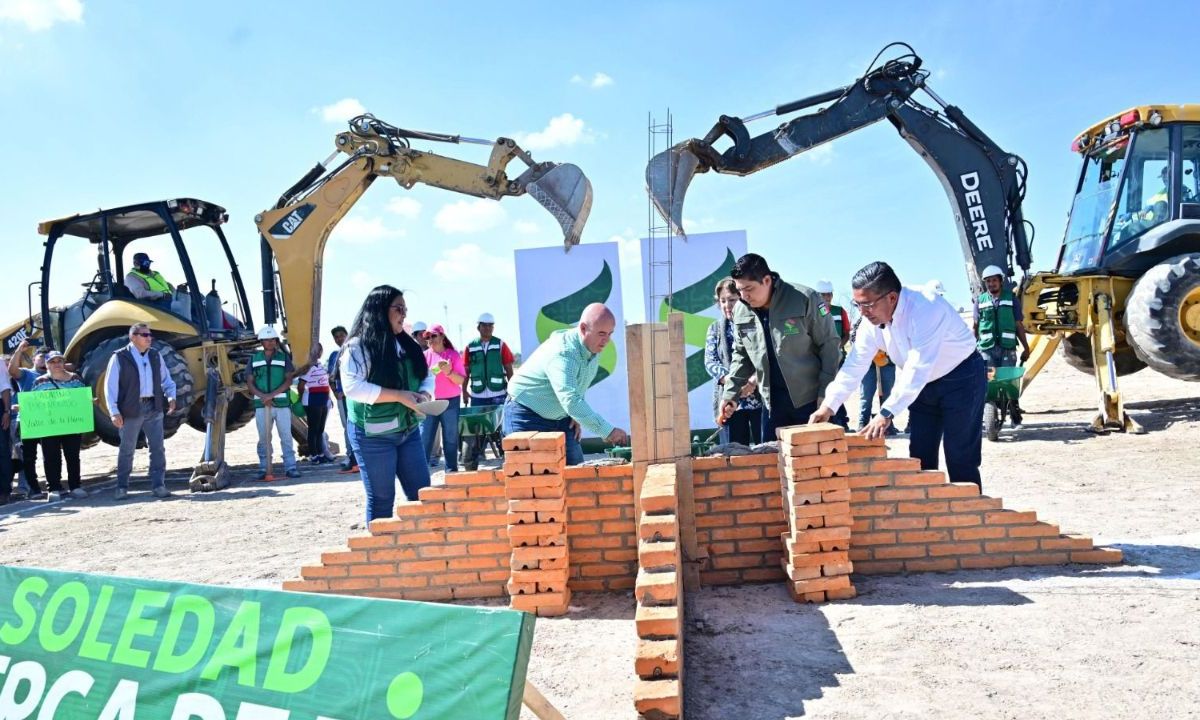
x=419 y=327
x=824 y=286
x=53 y=355
x=141 y=259
x=991 y=270
x=268 y=332
x=436 y=329
x=487 y=319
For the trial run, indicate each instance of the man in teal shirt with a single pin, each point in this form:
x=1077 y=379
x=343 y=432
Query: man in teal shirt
x=547 y=393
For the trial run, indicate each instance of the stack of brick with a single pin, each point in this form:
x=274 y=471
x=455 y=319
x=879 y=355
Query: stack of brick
x=813 y=470
x=537 y=515
x=659 y=593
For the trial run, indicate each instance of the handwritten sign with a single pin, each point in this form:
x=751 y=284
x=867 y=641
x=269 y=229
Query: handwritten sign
x=56 y=412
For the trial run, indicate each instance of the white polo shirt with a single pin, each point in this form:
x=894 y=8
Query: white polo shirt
x=926 y=339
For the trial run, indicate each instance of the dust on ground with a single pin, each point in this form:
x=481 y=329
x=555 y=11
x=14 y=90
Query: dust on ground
x=1057 y=642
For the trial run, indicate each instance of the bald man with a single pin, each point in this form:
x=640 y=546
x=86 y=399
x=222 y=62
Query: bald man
x=547 y=393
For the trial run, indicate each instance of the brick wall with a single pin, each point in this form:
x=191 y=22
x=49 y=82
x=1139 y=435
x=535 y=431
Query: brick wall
x=601 y=532
x=658 y=693
x=739 y=519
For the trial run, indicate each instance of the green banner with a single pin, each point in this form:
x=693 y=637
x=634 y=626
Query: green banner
x=99 y=647
x=47 y=413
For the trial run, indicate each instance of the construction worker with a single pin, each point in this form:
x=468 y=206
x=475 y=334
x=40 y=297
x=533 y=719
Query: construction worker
x=841 y=320
x=489 y=365
x=999 y=326
x=783 y=334
x=942 y=380
x=418 y=333
x=147 y=284
x=272 y=372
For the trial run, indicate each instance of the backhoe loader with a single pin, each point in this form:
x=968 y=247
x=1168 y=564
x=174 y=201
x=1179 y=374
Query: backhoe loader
x=207 y=346
x=1122 y=228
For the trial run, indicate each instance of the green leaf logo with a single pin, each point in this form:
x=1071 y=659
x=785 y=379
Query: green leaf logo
x=691 y=301
x=564 y=313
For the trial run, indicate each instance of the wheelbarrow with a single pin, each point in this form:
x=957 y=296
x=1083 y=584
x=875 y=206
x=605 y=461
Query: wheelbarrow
x=479 y=428
x=1003 y=391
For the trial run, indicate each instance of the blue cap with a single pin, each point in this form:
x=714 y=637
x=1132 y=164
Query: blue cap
x=141 y=259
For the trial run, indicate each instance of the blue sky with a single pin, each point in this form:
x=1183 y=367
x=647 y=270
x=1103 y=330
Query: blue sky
x=110 y=103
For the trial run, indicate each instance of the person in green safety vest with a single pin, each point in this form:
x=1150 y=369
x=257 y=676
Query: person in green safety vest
x=841 y=321
x=999 y=325
x=149 y=285
x=489 y=365
x=271 y=374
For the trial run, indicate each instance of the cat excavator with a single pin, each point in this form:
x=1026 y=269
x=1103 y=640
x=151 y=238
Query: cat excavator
x=1082 y=302
x=207 y=348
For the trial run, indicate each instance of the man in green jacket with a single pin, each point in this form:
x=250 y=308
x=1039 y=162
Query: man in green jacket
x=784 y=336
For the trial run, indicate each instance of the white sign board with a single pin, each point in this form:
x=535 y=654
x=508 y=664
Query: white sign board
x=553 y=288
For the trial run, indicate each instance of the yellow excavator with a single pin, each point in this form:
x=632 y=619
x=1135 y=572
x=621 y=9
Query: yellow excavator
x=205 y=341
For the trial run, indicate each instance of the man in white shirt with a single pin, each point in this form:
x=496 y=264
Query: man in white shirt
x=942 y=379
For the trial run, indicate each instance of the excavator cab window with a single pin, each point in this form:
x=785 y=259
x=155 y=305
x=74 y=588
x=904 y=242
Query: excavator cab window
x=1094 y=197
x=1145 y=198
x=1190 y=151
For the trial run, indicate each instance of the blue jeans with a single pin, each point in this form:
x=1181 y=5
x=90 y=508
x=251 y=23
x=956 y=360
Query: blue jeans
x=151 y=423
x=947 y=413
x=518 y=418
x=382 y=460
x=877 y=381
x=341 y=406
x=449 y=424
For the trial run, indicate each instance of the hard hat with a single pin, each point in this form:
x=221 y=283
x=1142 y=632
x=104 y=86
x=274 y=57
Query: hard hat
x=268 y=332
x=140 y=259
x=991 y=270
x=937 y=287
x=487 y=319
x=824 y=286
x=419 y=327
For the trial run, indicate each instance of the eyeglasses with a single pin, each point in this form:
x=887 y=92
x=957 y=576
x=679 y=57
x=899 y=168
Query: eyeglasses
x=866 y=307
x=144 y=334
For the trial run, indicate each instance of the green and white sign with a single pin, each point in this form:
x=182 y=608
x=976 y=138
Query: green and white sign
x=47 y=413
x=75 y=646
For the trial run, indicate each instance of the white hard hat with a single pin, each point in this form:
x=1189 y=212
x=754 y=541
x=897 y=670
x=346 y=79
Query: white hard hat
x=487 y=319
x=419 y=326
x=268 y=332
x=937 y=287
x=991 y=270
x=824 y=286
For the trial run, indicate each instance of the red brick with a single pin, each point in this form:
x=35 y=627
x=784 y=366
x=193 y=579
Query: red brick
x=739 y=533
x=597 y=541
x=378 y=527
x=435 y=493
x=770 y=574
x=1011 y=546
x=841 y=593
x=487 y=520
x=441 y=522
x=393 y=554
x=740 y=475
x=953 y=490
x=762 y=516
x=737 y=504
x=976 y=504
x=836 y=496
x=660 y=621
x=658 y=698
x=763 y=460
x=938 y=565
x=485 y=491
x=967 y=520
x=470 y=535
x=874 y=538
x=662 y=527
x=1104 y=556
x=469 y=478
x=822 y=584
x=863 y=525
x=1039 y=530
x=343 y=557
x=337 y=584
x=368 y=542
x=410 y=567
x=979 y=533
x=876 y=567
x=729 y=562
x=1042 y=558
x=922 y=536
x=897 y=552
x=977 y=562
x=921 y=477
x=942 y=549
x=874 y=509
x=657 y=658
x=579 y=472
x=491 y=548
x=614 y=471
x=803 y=434
x=900 y=523
x=656 y=588
x=869 y=481
x=859 y=553
x=618 y=527
x=720 y=577
x=808 y=487
x=442 y=551
x=306 y=585
x=404 y=581
x=930 y=507
x=602 y=513
x=477 y=591
x=894 y=465
x=1066 y=542
x=909 y=493
x=372 y=570
x=317 y=572
x=755 y=488
x=658 y=555
x=517 y=441
x=710 y=492
x=1010 y=517
x=828 y=447
x=708 y=463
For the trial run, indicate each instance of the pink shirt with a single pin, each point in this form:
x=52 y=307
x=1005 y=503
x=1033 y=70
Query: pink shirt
x=445 y=389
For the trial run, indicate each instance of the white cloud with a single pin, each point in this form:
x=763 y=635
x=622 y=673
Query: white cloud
x=405 y=207
x=526 y=227
x=629 y=249
x=470 y=262
x=41 y=14
x=820 y=155
x=598 y=80
x=693 y=225
x=469 y=216
x=562 y=130
x=364 y=231
x=340 y=111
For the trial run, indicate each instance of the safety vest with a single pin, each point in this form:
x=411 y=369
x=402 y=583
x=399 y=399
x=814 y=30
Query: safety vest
x=386 y=418
x=486 y=367
x=836 y=312
x=997 y=316
x=154 y=281
x=269 y=374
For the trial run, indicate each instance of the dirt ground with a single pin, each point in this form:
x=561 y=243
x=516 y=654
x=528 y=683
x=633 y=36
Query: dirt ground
x=1059 y=642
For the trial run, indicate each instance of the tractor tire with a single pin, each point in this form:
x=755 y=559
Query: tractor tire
x=1077 y=351
x=991 y=421
x=94 y=369
x=239 y=414
x=1162 y=317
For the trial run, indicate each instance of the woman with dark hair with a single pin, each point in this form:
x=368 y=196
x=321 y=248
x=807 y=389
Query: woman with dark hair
x=56 y=448
x=745 y=425
x=384 y=377
x=447 y=366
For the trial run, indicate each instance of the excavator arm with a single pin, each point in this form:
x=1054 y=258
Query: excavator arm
x=295 y=231
x=985 y=184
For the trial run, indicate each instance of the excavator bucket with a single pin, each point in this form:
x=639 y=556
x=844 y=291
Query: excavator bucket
x=667 y=178
x=566 y=192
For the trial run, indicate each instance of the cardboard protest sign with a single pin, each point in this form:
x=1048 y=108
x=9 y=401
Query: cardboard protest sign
x=47 y=413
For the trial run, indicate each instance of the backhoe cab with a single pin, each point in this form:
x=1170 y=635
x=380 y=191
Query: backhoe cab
x=194 y=330
x=1125 y=292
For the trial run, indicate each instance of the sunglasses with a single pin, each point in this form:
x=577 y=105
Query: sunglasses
x=144 y=334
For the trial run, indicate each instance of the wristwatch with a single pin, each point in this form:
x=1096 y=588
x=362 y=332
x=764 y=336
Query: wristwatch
x=886 y=414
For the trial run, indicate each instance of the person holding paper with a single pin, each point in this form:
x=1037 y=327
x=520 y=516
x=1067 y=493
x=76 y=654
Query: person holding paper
x=57 y=447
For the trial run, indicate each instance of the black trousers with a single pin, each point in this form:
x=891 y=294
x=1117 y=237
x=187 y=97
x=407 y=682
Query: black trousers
x=29 y=453
x=57 y=448
x=745 y=427
x=316 y=414
x=784 y=415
